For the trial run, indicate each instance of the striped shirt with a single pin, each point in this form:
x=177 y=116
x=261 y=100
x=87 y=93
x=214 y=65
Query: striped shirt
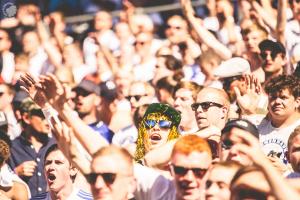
x=76 y=194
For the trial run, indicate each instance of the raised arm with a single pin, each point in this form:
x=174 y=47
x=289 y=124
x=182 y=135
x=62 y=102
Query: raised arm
x=203 y=34
x=56 y=95
x=281 y=21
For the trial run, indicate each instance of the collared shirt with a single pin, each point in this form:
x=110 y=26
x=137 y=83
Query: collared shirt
x=76 y=194
x=22 y=150
x=101 y=128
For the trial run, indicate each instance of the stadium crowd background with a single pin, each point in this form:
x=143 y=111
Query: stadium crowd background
x=150 y=99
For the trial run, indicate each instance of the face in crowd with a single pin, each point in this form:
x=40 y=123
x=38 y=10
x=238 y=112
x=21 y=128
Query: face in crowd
x=85 y=101
x=219 y=178
x=190 y=160
x=228 y=153
x=58 y=171
x=211 y=108
x=112 y=174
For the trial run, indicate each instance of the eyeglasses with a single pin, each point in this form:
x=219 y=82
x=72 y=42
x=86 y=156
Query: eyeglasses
x=164 y=124
x=226 y=144
x=136 y=97
x=205 y=105
x=264 y=55
x=173 y=27
x=108 y=178
x=182 y=171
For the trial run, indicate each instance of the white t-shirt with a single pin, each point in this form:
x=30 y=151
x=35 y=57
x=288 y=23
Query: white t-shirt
x=275 y=140
x=151 y=185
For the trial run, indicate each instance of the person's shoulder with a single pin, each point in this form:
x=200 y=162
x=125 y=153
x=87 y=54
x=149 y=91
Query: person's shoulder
x=42 y=196
x=82 y=195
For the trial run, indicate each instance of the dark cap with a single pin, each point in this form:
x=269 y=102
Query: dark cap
x=20 y=96
x=108 y=90
x=164 y=109
x=88 y=86
x=274 y=47
x=241 y=124
x=28 y=106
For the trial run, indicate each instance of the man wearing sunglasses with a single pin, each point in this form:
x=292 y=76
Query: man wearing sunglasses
x=87 y=101
x=273 y=57
x=211 y=111
x=112 y=176
x=190 y=159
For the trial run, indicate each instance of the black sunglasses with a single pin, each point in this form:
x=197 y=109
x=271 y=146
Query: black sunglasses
x=245 y=193
x=109 y=178
x=1 y=93
x=136 y=97
x=182 y=171
x=205 y=105
x=164 y=124
x=264 y=55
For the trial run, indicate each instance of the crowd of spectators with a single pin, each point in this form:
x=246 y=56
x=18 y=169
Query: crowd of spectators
x=186 y=108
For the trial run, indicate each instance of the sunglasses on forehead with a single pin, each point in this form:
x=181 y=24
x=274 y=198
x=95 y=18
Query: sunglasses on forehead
x=164 y=124
x=182 y=171
x=108 y=178
x=205 y=105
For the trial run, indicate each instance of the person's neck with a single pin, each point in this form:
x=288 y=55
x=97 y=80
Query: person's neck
x=62 y=194
x=282 y=123
x=89 y=118
x=269 y=76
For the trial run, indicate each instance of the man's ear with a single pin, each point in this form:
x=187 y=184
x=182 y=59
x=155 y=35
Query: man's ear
x=73 y=171
x=225 y=110
x=132 y=187
x=26 y=118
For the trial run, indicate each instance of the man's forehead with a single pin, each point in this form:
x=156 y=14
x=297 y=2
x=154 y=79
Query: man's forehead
x=193 y=159
x=208 y=95
x=55 y=155
x=112 y=163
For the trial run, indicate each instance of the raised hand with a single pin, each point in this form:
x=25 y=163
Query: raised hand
x=248 y=101
x=34 y=89
x=26 y=168
x=54 y=91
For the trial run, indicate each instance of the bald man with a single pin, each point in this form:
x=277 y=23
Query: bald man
x=211 y=108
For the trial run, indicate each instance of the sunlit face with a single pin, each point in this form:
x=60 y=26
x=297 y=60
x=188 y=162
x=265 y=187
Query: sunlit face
x=252 y=40
x=30 y=42
x=58 y=171
x=183 y=101
x=138 y=95
x=296 y=9
x=214 y=114
x=176 y=30
x=157 y=128
x=5 y=42
x=272 y=64
x=283 y=104
x=294 y=153
x=228 y=140
x=85 y=102
x=189 y=172
x=102 y=21
x=123 y=183
x=5 y=97
x=218 y=182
